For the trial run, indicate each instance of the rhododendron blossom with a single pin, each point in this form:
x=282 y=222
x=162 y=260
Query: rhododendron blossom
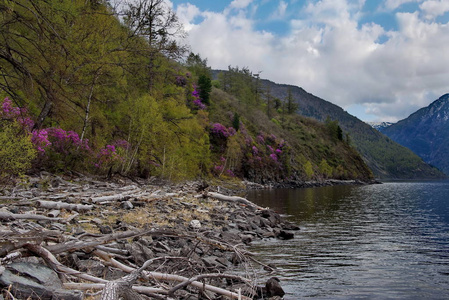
x=220 y=130
x=40 y=139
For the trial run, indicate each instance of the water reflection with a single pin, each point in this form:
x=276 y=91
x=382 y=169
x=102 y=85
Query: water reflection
x=387 y=241
x=301 y=204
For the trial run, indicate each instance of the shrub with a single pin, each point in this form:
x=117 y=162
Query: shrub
x=16 y=151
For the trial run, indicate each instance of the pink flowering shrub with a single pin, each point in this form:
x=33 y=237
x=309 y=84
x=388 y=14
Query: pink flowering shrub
x=40 y=140
x=57 y=148
x=266 y=157
x=18 y=114
x=221 y=168
x=198 y=104
x=111 y=155
x=221 y=131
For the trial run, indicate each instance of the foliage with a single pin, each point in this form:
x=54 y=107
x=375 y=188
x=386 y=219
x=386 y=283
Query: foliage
x=94 y=92
x=308 y=169
x=16 y=151
x=205 y=86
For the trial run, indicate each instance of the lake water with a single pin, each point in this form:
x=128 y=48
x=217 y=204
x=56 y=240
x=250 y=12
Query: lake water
x=385 y=241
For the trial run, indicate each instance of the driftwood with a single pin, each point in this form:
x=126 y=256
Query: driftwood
x=233 y=199
x=100 y=286
x=63 y=205
x=53 y=263
x=78 y=244
x=82 y=259
x=4 y=215
x=168 y=277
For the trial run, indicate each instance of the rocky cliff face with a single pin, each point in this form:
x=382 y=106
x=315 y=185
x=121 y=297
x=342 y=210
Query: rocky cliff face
x=426 y=132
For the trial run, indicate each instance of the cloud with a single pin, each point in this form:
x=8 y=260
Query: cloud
x=240 y=4
x=391 y=5
x=331 y=54
x=433 y=8
x=279 y=13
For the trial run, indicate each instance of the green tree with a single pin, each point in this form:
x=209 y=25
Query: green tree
x=334 y=129
x=236 y=121
x=205 y=86
x=197 y=65
x=308 y=169
x=325 y=169
x=292 y=105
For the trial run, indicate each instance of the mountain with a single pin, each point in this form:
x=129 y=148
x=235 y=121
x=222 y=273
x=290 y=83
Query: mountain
x=379 y=125
x=386 y=158
x=426 y=132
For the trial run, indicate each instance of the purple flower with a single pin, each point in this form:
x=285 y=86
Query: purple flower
x=199 y=104
x=255 y=150
x=230 y=173
x=220 y=130
x=39 y=138
x=180 y=80
x=274 y=157
x=278 y=151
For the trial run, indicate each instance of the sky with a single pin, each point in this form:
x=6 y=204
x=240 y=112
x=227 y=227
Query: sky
x=380 y=60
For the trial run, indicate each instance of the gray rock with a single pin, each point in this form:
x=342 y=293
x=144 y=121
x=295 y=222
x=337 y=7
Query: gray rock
x=126 y=205
x=274 y=288
x=285 y=235
x=195 y=224
x=29 y=280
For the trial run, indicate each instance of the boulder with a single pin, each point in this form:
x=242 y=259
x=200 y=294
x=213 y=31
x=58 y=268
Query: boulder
x=35 y=281
x=273 y=287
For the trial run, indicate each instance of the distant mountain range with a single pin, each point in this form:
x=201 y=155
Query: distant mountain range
x=386 y=158
x=426 y=132
x=380 y=125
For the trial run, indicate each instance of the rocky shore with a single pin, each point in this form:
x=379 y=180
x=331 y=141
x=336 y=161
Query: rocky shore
x=80 y=238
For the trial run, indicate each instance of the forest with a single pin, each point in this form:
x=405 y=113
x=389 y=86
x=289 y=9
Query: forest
x=86 y=86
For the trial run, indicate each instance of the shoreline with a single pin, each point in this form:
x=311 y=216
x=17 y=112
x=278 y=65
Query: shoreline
x=102 y=229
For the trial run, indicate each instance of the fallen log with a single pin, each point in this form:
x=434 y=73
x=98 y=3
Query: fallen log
x=100 y=286
x=79 y=244
x=116 y=197
x=54 y=264
x=5 y=215
x=64 y=205
x=222 y=197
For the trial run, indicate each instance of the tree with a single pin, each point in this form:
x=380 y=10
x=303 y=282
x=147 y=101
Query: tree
x=197 y=65
x=158 y=24
x=236 y=121
x=334 y=129
x=325 y=169
x=205 y=86
x=308 y=169
x=292 y=105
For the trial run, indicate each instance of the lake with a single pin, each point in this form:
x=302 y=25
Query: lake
x=383 y=241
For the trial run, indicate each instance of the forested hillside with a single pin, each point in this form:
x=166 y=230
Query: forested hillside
x=85 y=87
x=386 y=158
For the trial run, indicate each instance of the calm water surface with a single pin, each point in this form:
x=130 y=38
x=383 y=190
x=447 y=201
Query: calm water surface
x=387 y=241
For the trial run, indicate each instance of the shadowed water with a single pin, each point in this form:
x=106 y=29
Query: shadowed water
x=387 y=241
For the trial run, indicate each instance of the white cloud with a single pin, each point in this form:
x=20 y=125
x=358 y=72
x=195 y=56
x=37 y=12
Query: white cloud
x=187 y=14
x=393 y=4
x=279 y=13
x=240 y=4
x=331 y=55
x=434 y=8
